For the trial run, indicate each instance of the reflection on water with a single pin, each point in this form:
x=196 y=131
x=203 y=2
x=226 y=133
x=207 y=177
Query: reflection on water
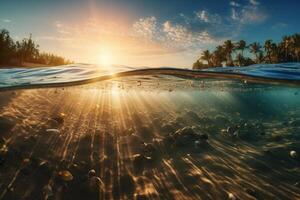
x=151 y=138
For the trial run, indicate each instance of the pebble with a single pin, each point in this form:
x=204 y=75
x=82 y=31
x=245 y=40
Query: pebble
x=293 y=154
x=65 y=175
x=230 y=130
x=231 y=196
x=52 y=130
x=96 y=183
x=60 y=118
x=92 y=173
x=187 y=136
x=48 y=192
x=197 y=144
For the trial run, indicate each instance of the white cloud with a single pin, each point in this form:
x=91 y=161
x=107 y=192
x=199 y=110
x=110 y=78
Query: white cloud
x=234 y=4
x=202 y=15
x=171 y=35
x=254 y=2
x=234 y=14
x=6 y=20
x=206 y=16
x=146 y=27
x=248 y=14
x=175 y=33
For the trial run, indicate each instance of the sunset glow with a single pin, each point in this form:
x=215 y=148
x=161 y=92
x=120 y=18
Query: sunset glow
x=106 y=59
x=151 y=33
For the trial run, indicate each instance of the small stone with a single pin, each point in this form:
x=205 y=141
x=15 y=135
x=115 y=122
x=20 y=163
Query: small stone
x=230 y=130
x=48 y=192
x=187 y=136
x=96 y=183
x=25 y=162
x=293 y=154
x=65 y=175
x=53 y=130
x=92 y=173
x=59 y=118
x=231 y=196
x=197 y=144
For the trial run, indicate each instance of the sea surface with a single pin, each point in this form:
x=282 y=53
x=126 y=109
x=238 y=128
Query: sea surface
x=86 y=132
x=75 y=74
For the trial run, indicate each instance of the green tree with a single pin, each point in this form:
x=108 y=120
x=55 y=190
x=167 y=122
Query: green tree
x=241 y=46
x=268 y=49
x=7 y=47
x=206 y=56
x=255 y=48
x=228 y=49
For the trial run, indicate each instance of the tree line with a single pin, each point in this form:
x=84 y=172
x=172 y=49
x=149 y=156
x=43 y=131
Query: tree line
x=17 y=52
x=234 y=53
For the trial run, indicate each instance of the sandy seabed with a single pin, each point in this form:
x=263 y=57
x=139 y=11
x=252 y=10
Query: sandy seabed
x=99 y=143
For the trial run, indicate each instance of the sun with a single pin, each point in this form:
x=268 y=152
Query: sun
x=105 y=59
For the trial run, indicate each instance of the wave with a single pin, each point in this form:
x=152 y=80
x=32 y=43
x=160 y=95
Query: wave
x=77 y=74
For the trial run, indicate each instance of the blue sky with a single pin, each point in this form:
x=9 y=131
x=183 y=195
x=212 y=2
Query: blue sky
x=152 y=33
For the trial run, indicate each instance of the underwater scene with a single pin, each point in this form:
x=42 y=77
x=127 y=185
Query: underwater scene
x=75 y=132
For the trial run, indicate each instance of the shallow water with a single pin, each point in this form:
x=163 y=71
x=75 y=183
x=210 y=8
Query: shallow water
x=152 y=137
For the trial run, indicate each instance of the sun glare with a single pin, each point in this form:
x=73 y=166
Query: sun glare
x=105 y=59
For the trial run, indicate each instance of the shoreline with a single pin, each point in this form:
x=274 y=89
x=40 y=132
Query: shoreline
x=24 y=65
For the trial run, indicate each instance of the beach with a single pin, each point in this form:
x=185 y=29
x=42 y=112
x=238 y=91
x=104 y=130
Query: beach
x=125 y=140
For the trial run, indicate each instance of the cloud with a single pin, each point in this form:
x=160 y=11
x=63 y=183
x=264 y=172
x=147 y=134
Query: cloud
x=234 y=4
x=250 y=13
x=254 y=2
x=206 y=16
x=6 y=20
x=203 y=15
x=234 y=14
x=174 y=36
x=146 y=27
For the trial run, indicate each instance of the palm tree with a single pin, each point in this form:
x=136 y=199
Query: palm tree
x=228 y=48
x=268 y=48
x=240 y=59
x=286 y=43
x=206 y=55
x=255 y=48
x=261 y=57
x=296 y=46
x=241 y=45
x=275 y=53
x=218 y=56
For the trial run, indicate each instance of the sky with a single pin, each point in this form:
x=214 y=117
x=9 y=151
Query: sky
x=145 y=32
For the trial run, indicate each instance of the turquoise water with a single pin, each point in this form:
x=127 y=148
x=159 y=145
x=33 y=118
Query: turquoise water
x=10 y=78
